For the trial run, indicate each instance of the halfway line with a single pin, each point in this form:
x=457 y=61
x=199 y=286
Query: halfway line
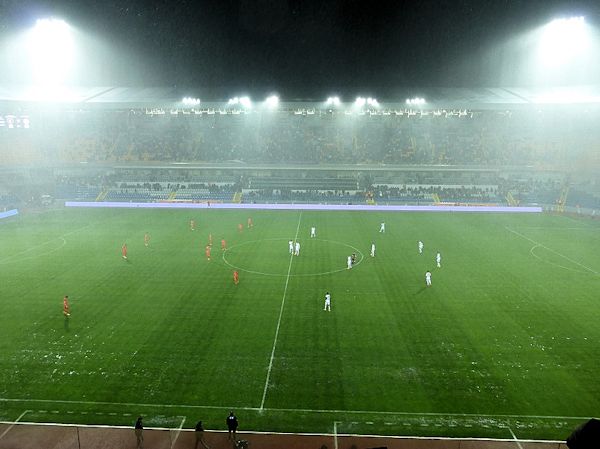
x=287 y=280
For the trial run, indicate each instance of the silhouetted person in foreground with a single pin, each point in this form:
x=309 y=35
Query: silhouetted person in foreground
x=232 y=425
x=139 y=430
x=199 y=431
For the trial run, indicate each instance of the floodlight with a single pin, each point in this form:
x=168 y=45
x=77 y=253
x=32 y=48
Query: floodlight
x=359 y=102
x=245 y=102
x=563 y=40
x=272 y=101
x=333 y=101
x=189 y=101
x=51 y=49
x=372 y=102
x=417 y=101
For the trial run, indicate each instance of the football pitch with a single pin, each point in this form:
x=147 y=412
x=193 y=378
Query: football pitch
x=506 y=340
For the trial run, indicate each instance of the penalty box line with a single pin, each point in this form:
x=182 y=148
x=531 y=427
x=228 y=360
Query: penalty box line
x=551 y=250
x=13 y=423
x=178 y=431
x=515 y=437
x=60 y=237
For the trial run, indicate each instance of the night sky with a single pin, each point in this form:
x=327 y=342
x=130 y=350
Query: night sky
x=300 y=48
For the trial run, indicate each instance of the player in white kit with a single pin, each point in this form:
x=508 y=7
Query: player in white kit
x=291 y=244
x=382 y=227
x=372 y=249
x=327 y=302
x=420 y=247
x=297 y=251
x=349 y=262
x=428 y=278
x=438 y=259
x=313 y=232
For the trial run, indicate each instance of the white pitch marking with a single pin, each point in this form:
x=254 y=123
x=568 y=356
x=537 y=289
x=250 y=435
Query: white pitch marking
x=553 y=228
x=287 y=280
x=256 y=432
x=292 y=410
x=532 y=252
x=12 y=424
x=34 y=256
x=335 y=435
x=178 y=431
x=291 y=275
x=551 y=250
x=60 y=237
x=514 y=437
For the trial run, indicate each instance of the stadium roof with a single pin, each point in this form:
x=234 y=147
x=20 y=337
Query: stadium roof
x=473 y=98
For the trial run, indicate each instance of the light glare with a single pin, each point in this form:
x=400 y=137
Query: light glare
x=360 y=102
x=245 y=102
x=272 y=101
x=333 y=101
x=51 y=50
x=189 y=101
x=562 y=41
x=417 y=101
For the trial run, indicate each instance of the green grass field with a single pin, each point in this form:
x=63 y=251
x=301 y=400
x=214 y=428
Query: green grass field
x=507 y=338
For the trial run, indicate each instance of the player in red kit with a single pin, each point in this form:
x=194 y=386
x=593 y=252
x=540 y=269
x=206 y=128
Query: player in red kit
x=192 y=225
x=66 y=311
x=250 y=224
x=207 y=252
x=240 y=227
x=124 y=251
x=223 y=244
x=236 y=277
x=146 y=239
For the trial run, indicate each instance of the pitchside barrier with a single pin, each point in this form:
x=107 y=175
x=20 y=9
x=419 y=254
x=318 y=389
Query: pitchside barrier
x=22 y=435
x=294 y=206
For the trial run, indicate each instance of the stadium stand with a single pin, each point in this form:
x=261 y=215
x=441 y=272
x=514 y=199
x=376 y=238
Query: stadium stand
x=496 y=154
x=403 y=137
x=578 y=197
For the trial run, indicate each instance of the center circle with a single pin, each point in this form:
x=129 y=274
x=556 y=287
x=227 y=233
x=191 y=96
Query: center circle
x=268 y=253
